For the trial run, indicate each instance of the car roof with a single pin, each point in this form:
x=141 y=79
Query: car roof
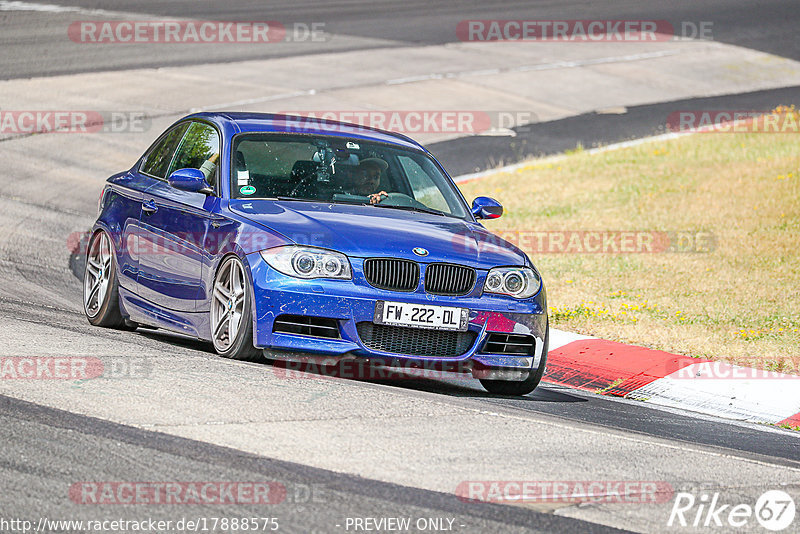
x=247 y=122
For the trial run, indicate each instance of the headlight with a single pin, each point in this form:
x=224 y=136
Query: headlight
x=518 y=282
x=308 y=262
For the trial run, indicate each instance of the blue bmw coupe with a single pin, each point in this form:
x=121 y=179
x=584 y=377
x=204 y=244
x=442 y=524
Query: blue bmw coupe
x=283 y=238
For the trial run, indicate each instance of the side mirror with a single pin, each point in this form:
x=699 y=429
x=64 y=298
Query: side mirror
x=191 y=180
x=486 y=208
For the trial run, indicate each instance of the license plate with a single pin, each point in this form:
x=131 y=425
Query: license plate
x=421 y=315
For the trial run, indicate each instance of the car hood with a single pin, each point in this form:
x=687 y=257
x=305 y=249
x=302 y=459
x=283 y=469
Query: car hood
x=368 y=231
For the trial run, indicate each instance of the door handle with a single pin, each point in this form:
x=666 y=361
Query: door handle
x=149 y=206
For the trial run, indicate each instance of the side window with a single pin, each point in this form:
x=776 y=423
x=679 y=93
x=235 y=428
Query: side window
x=199 y=150
x=425 y=190
x=157 y=161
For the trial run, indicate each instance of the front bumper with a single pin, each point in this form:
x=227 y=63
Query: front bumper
x=350 y=302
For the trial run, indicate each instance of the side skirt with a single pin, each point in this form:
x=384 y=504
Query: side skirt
x=145 y=312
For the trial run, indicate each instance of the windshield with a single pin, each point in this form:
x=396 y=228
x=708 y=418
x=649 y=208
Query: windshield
x=340 y=170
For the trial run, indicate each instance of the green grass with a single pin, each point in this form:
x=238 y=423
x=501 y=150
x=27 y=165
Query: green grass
x=609 y=387
x=739 y=302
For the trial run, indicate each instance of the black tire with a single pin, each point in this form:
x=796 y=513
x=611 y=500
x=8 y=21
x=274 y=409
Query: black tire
x=241 y=347
x=108 y=314
x=517 y=389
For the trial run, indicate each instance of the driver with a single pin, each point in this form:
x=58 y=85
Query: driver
x=209 y=168
x=367 y=179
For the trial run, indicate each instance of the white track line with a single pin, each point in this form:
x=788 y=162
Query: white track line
x=559 y=338
x=537 y=67
x=598 y=150
x=438 y=76
x=559 y=157
x=703 y=387
x=6 y=5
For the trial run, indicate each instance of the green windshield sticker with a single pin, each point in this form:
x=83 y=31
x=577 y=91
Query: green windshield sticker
x=247 y=190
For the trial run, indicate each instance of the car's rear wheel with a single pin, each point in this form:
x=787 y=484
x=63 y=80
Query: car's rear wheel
x=231 y=313
x=100 y=285
x=507 y=387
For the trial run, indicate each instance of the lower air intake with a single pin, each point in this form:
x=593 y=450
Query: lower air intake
x=306 y=326
x=414 y=341
x=512 y=344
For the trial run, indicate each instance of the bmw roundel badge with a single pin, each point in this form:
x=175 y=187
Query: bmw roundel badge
x=419 y=251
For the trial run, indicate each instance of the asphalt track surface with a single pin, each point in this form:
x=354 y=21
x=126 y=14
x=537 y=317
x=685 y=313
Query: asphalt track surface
x=32 y=45
x=57 y=438
x=45 y=449
x=33 y=48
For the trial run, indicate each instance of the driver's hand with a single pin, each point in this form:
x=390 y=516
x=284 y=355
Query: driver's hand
x=374 y=198
x=209 y=166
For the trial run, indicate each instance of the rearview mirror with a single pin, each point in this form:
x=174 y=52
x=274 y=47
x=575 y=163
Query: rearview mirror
x=486 y=208
x=191 y=180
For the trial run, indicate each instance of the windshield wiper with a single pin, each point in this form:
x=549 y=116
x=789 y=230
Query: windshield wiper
x=322 y=201
x=298 y=199
x=361 y=203
x=412 y=208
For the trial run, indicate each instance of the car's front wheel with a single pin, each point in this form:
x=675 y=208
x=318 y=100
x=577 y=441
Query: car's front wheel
x=100 y=285
x=507 y=387
x=231 y=313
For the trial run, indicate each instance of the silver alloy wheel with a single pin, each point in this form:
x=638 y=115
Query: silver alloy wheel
x=227 y=304
x=97 y=275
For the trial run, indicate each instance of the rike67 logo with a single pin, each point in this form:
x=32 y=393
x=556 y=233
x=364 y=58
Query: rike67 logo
x=774 y=510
